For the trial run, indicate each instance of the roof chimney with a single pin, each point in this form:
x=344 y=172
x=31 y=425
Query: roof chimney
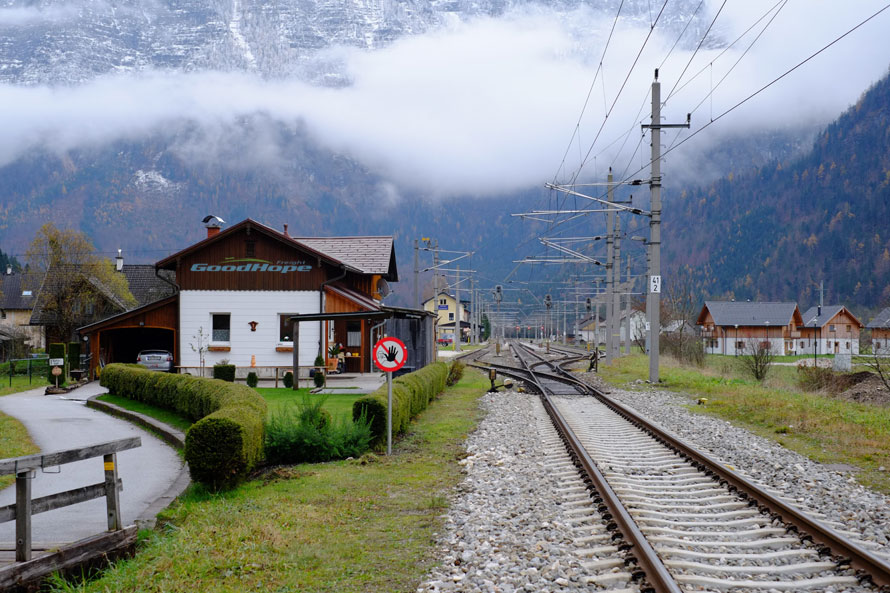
x=285 y=230
x=213 y=224
x=119 y=262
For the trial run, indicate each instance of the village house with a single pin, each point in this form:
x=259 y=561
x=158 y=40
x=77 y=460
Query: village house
x=17 y=299
x=447 y=310
x=880 y=332
x=829 y=329
x=733 y=328
x=238 y=290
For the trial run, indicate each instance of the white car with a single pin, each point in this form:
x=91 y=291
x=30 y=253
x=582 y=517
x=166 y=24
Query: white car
x=156 y=360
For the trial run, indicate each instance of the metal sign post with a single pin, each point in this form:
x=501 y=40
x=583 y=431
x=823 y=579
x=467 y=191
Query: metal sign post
x=390 y=355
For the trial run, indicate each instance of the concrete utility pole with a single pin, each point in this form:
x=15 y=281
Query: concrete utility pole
x=610 y=224
x=653 y=297
x=627 y=340
x=615 y=325
x=473 y=310
x=457 y=313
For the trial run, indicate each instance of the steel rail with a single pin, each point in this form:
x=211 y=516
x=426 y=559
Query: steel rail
x=655 y=573
x=871 y=566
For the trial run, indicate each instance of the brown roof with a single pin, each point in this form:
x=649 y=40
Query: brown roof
x=371 y=255
x=146 y=286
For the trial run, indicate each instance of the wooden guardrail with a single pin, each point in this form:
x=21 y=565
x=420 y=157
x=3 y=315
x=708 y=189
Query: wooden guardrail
x=24 y=468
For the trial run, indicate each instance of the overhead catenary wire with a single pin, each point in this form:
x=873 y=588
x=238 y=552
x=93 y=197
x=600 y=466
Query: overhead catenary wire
x=754 y=94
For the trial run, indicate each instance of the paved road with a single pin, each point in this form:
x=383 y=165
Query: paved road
x=64 y=422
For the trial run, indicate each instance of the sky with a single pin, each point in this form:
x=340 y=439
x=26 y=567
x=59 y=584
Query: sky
x=488 y=106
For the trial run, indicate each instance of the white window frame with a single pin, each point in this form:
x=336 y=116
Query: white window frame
x=280 y=341
x=214 y=342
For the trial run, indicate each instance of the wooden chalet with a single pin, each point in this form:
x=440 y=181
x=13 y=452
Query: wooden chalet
x=880 y=332
x=829 y=329
x=731 y=327
x=237 y=290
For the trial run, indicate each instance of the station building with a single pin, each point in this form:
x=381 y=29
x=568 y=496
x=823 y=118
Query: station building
x=239 y=287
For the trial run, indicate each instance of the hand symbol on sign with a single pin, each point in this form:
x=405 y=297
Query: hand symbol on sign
x=391 y=354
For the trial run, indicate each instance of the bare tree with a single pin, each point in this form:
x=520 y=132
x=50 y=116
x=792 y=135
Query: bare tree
x=680 y=306
x=881 y=365
x=757 y=357
x=77 y=286
x=200 y=345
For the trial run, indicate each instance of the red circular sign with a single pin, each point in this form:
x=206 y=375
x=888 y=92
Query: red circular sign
x=390 y=354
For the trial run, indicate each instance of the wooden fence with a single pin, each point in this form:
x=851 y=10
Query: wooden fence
x=24 y=468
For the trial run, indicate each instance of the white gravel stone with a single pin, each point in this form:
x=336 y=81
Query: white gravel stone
x=507 y=529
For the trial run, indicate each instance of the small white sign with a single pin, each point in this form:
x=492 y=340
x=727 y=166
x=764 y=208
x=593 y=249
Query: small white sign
x=56 y=362
x=647 y=326
x=654 y=284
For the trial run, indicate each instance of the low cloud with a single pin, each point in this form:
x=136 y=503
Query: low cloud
x=483 y=107
x=17 y=16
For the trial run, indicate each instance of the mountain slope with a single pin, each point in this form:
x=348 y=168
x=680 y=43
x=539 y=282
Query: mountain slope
x=777 y=232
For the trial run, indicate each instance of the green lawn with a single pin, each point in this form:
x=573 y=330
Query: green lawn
x=348 y=526
x=824 y=428
x=338 y=404
x=14 y=438
x=14 y=442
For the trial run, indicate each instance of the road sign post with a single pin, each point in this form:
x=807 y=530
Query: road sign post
x=390 y=355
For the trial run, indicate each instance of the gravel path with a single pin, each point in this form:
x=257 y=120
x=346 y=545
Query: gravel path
x=522 y=519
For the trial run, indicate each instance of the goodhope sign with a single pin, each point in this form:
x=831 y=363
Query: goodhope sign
x=253 y=265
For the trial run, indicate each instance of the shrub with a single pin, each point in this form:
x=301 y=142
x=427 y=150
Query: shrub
x=411 y=394
x=252 y=379
x=74 y=355
x=226 y=440
x=288 y=380
x=455 y=372
x=304 y=433
x=318 y=376
x=226 y=372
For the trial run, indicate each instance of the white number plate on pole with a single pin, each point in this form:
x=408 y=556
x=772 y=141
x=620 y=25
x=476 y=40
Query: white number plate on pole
x=654 y=284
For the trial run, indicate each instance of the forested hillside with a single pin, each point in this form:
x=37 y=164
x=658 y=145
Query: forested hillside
x=778 y=232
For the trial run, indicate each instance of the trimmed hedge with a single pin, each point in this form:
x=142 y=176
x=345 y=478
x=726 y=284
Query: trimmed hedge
x=226 y=440
x=226 y=372
x=73 y=355
x=411 y=394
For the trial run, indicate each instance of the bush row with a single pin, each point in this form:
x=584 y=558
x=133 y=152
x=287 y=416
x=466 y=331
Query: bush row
x=411 y=393
x=226 y=440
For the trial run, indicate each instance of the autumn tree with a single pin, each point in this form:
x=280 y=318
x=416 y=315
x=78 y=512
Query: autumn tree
x=77 y=286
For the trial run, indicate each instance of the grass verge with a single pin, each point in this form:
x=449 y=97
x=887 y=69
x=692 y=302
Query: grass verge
x=20 y=383
x=348 y=526
x=823 y=428
x=160 y=414
x=14 y=442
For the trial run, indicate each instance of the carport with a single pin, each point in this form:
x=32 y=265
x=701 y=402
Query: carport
x=122 y=337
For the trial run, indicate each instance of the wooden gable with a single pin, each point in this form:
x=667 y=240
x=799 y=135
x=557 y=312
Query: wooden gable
x=251 y=260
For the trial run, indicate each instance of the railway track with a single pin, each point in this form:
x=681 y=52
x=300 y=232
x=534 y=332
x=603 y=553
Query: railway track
x=689 y=522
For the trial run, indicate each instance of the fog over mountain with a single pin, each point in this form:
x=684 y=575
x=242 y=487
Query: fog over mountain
x=441 y=98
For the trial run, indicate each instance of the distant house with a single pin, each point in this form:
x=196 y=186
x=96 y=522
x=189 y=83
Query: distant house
x=830 y=329
x=880 y=332
x=731 y=327
x=593 y=330
x=448 y=311
x=144 y=284
x=16 y=304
